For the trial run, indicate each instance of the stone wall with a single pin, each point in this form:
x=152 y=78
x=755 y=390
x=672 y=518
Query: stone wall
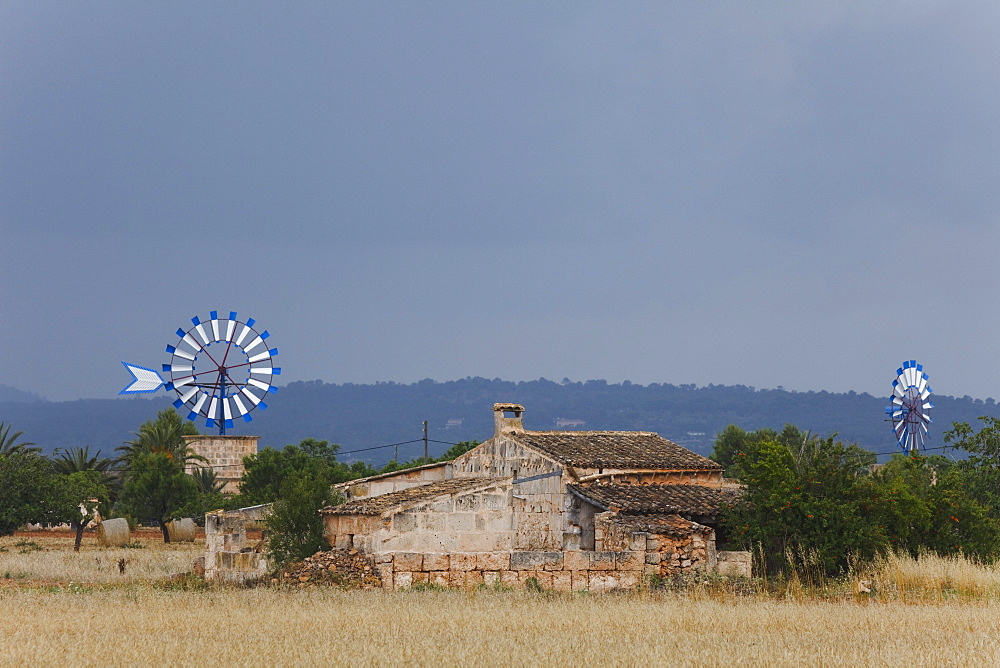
x=738 y=564
x=229 y=556
x=561 y=571
x=225 y=456
x=671 y=554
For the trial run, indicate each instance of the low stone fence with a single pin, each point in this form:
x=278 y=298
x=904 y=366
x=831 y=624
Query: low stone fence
x=561 y=571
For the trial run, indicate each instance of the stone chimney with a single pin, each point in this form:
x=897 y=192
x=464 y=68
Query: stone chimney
x=507 y=417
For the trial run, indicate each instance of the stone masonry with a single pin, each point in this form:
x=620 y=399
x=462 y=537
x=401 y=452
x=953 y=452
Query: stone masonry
x=225 y=456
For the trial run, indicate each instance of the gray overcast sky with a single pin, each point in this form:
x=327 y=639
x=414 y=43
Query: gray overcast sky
x=795 y=194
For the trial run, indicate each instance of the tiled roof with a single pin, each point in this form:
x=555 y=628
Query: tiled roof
x=668 y=525
x=376 y=505
x=658 y=498
x=614 y=450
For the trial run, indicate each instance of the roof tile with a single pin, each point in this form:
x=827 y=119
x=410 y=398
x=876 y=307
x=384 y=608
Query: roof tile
x=376 y=505
x=658 y=498
x=615 y=450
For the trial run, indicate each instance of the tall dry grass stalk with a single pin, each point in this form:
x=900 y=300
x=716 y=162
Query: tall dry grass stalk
x=137 y=625
x=932 y=576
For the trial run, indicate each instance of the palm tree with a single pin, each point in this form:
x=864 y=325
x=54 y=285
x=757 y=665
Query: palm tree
x=10 y=445
x=163 y=435
x=207 y=481
x=72 y=460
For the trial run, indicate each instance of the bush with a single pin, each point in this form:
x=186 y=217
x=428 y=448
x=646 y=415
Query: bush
x=295 y=526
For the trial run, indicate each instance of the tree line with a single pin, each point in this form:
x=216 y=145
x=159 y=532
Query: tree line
x=813 y=504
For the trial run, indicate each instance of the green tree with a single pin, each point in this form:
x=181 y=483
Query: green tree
x=25 y=488
x=265 y=471
x=163 y=435
x=76 y=498
x=11 y=444
x=156 y=487
x=802 y=502
x=925 y=503
x=75 y=460
x=295 y=526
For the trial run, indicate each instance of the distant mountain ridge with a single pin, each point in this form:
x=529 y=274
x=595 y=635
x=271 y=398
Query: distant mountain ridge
x=363 y=416
x=12 y=394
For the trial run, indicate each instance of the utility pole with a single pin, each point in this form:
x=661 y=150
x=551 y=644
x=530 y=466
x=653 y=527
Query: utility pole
x=427 y=458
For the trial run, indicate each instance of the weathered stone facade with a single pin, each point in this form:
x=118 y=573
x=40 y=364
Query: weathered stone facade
x=225 y=456
x=572 y=510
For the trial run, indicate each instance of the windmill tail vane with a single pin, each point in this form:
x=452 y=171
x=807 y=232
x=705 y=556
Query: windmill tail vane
x=220 y=369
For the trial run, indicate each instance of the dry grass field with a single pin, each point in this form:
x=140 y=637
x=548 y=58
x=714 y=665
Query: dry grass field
x=950 y=615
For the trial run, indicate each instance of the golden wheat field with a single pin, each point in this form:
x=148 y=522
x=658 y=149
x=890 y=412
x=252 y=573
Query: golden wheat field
x=949 y=617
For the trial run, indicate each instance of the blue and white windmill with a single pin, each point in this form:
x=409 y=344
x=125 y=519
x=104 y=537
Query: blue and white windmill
x=220 y=369
x=910 y=404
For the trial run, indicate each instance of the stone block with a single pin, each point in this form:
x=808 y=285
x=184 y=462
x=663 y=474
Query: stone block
x=383 y=558
x=404 y=522
x=408 y=561
x=491 y=578
x=581 y=580
x=436 y=562
x=531 y=561
x=629 y=580
x=603 y=581
x=402 y=580
x=544 y=578
x=384 y=572
x=652 y=558
x=432 y=521
x=637 y=542
x=474 y=578
x=439 y=578
x=493 y=561
x=463 y=562
x=508 y=578
x=456 y=579
x=629 y=561
x=461 y=522
x=421 y=577
x=562 y=580
x=576 y=560
x=602 y=561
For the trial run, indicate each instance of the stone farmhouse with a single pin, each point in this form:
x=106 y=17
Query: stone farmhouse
x=581 y=510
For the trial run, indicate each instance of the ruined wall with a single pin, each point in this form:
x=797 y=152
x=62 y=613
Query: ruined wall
x=229 y=556
x=667 y=553
x=224 y=454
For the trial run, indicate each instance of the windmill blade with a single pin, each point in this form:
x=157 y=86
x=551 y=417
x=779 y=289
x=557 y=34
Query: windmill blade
x=240 y=408
x=215 y=326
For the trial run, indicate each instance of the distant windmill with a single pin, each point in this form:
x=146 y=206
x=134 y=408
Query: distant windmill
x=909 y=407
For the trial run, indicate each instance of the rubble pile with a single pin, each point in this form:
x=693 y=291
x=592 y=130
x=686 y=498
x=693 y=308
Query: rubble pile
x=339 y=568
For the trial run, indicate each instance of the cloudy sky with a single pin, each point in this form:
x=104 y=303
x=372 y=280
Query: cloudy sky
x=771 y=194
